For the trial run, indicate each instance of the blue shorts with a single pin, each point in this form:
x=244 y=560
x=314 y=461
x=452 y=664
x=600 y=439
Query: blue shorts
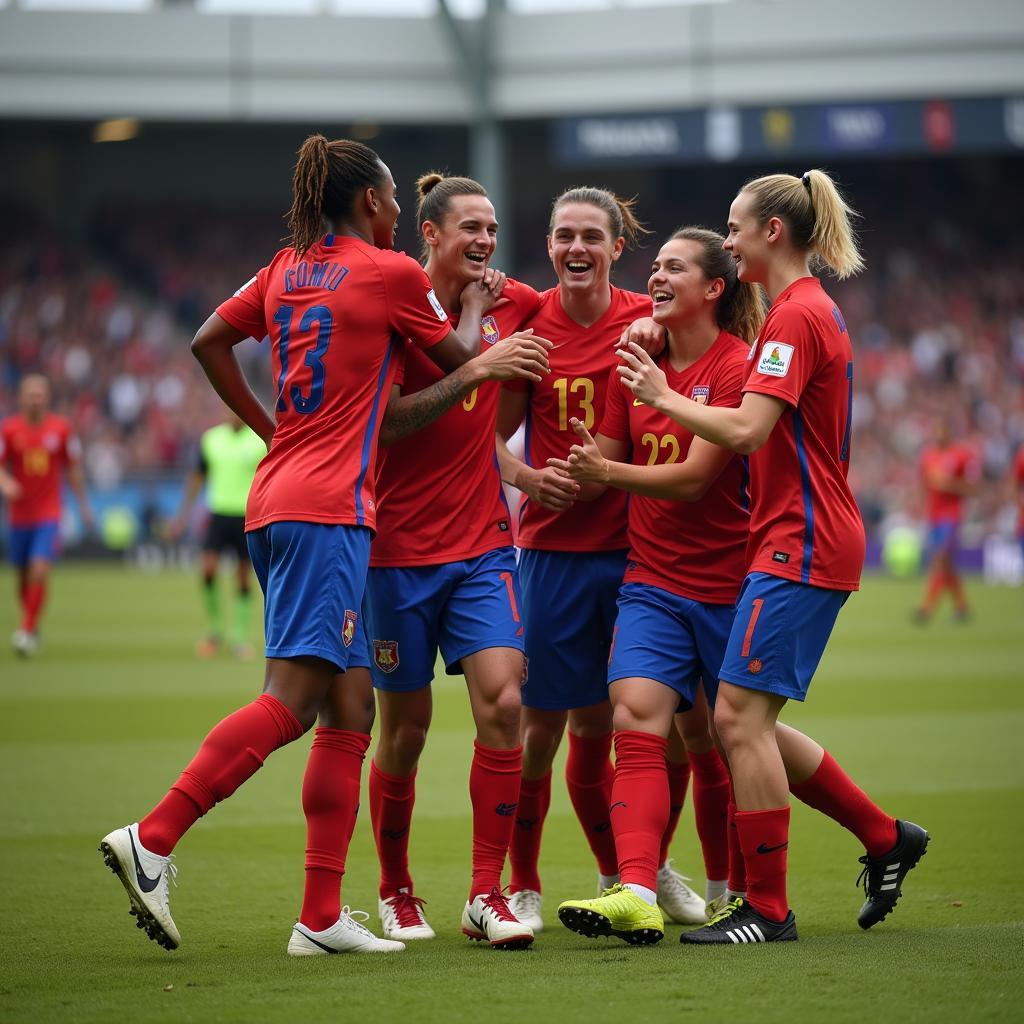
x=569 y=612
x=670 y=639
x=312 y=576
x=943 y=538
x=459 y=607
x=779 y=634
x=39 y=542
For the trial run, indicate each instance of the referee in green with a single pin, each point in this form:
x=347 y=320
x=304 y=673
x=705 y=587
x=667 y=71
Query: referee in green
x=228 y=456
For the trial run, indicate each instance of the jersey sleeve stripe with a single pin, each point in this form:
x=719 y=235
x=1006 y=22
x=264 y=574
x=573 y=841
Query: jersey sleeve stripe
x=805 y=486
x=364 y=458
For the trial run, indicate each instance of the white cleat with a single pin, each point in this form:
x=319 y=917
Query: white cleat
x=525 y=906
x=401 y=917
x=488 y=918
x=25 y=644
x=676 y=899
x=346 y=935
x=146 y=877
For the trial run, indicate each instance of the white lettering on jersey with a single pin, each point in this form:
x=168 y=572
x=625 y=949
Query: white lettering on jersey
x=246 y=285
x=438 y=308
x=775 y=359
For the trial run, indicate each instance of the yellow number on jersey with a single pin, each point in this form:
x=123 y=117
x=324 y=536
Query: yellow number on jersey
x=36 y=461
x=565 y=387
x=667 y=442
x=470 y=400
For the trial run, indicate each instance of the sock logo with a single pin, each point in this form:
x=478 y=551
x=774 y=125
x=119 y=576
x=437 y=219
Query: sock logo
x=527 y=823
x=506 y=810
x=764 y=848
x=393 y=833
x=618 y=803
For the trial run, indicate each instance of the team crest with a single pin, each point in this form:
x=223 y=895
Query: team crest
x=348 y=630
x=385 y=655
x=701 y=394
x=489 y=330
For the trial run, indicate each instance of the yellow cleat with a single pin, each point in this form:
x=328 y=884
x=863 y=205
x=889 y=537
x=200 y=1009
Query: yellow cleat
x=619 y=912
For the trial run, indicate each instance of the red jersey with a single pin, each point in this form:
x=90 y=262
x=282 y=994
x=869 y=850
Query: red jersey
x=804 y=522
x=439 y=490
x=335 y=318
x=580 y=362
x=956 y=462
x=693 y=549
x=36 y=454
x=1018 y=476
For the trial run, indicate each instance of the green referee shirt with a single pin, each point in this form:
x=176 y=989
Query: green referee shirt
x=229 y=459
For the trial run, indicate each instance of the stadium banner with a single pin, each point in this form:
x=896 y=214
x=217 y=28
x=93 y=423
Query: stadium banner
x=725 y=133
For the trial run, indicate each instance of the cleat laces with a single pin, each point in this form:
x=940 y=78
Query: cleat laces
x=718 y=921
x=170 y=875
x=528 y=902
x=408 y=909
x=497 y=903
x=348 y=919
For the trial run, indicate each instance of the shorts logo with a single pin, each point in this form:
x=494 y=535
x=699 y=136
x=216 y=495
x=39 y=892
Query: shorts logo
x=348 y=631
x=438 y=308
x=385 y=655
x=489 y=330
x=701 y=394
x=775 y=359
x=755 y=665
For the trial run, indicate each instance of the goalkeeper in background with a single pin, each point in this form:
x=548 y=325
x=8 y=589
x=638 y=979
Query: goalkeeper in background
x=228 y=456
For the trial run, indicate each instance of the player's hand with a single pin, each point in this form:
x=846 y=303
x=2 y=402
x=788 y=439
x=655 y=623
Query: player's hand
x=585 y=463
x=640 y=374
x=522 y=354
x=10 y=489
x=483 y=294
x=645 y=333
x=550 y=488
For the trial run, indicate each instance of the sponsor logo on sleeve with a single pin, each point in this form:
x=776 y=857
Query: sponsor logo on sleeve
x=385 y=655
x=701 y=394
x=489 y=330
x=348 y=631
x=246 y=285
x=775 y=359
x=438 y=308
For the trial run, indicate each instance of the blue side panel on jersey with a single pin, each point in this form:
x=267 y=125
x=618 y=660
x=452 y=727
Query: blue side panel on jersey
x=805 y=485
x=844 y=454
x=745 y=484
x=364 y=458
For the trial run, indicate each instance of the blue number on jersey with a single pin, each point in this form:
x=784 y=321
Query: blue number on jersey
x=321 y=315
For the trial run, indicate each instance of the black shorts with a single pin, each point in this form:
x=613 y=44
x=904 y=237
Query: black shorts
x=226 y=533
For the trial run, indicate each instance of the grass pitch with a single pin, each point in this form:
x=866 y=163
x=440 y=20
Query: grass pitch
x=97 y=726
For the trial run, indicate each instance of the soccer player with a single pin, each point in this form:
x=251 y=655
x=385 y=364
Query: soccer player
x=572 y=556
x=806 y=546
x=1018 y=486
x=949 y=473
x=334 y=306
x=37 y=449
x=228 y=456
x=443 y=575
x=686 y=563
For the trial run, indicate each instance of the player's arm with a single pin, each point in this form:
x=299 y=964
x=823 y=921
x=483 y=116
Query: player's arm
x=596 y=463
x=9 y=487
x=214 y=347
x=648 y=334
x=521 y=355
x=548 y=487
x=462 y=343
x=742 y=429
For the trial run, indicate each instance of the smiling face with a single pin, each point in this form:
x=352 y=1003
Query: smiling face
x=678 y=286
x=582 y=248
x=384 y=214
x=748 y=240
x=464 y=241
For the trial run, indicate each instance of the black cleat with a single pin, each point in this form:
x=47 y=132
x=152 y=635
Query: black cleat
x=740 y=923
x=883 y=876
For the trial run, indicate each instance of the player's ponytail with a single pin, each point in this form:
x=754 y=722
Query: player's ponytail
x=819 y=219
x=742 y=306
x=435 y=192
x=328 y=176
x=621 y=212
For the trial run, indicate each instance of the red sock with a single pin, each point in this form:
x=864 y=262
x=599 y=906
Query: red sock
x=678 y=782
x=34 y=598
x=330 y=801
x=494 y=781
x=737 y=865
x=639 y=808
x=588 y=776
x=234 y=751
x=524 y=852
x=764 y=837
x=831 y=791
x=936 y=584
x=711 y=788
x=391 y=803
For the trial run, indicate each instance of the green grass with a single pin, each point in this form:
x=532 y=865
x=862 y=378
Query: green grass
x=94 y=729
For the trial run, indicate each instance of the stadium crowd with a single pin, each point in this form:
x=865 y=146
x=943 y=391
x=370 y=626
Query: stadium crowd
x=937 y=320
